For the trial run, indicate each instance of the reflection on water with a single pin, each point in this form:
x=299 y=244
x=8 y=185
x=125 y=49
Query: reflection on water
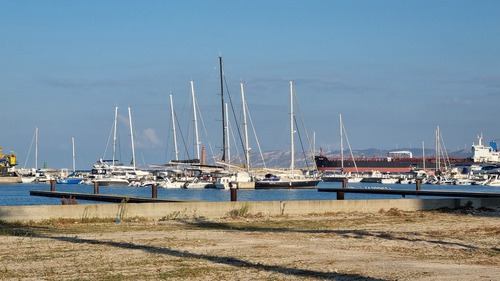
x=18 y=194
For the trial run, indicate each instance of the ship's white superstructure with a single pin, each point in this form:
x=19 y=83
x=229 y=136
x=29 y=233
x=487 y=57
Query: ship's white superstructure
x=485 y=154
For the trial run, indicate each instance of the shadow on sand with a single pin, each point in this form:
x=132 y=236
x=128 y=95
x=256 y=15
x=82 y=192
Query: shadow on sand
x=344 y=233
x=39 y=232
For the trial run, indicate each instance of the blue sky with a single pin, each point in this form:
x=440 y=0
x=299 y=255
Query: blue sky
x=395 y=70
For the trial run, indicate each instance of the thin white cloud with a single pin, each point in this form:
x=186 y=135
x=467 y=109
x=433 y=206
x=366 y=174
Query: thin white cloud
x=148 y=138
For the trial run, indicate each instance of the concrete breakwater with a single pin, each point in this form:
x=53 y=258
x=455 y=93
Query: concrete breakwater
x=161 y=211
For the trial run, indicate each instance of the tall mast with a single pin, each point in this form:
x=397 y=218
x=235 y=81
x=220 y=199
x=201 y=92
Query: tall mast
x=438 y=150
x=342 y=128
x=423 y=155
x=341 y=143
x=228 y=143
x=292 y=165
x=73 y=146
x=314 y=144
x=245 y=127
x=173 y=126
x=223 y=158
x=36 y=149
x=114 y=134
x=195 y=122
x=131 y=137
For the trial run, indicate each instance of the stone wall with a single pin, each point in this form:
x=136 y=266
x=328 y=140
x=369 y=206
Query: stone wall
x=159 y=211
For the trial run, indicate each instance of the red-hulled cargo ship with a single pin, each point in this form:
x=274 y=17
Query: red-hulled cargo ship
x=403 y=161
x=385 y=165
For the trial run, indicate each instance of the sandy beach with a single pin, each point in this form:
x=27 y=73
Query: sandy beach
x=388 y=245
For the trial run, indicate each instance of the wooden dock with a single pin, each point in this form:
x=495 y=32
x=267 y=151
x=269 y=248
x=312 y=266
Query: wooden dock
x=102 y=197
x=414 y=192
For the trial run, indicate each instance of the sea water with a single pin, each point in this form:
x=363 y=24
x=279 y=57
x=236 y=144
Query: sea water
x=19 y=194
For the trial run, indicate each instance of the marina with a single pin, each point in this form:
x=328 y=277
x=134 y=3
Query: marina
x=218 y=171
x=482 y=168
x=250 y=140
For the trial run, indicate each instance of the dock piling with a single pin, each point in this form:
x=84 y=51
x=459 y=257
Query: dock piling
x=340 y=195
x=234 y=194
x=154 y=191
x=52 y=185
x=96 y=188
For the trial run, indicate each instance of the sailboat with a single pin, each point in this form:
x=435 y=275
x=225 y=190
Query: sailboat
x=236 y=177
x=233 y=175
x=112 y=173
x=191 y=173
x=291 y=179
x=166 y=178
x=338 y=177
x=72 y=178
x=34 y=175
